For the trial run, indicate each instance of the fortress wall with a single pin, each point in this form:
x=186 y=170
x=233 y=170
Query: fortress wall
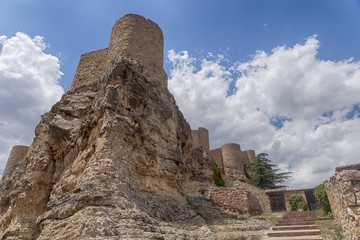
x=232 y=155
x=250 y=156
x=343 y=191
x=243 y=158
x=91 y=68
x=217 y=156
x=195 y=138
x=140 y=39
x=133 y=37
x=201 y=138
x=17 y=155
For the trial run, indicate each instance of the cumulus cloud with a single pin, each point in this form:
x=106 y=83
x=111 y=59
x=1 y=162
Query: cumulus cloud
x=302 y=110
x=29 y=80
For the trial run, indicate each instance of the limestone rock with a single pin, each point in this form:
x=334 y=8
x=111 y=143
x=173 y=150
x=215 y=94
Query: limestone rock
x=114 y=158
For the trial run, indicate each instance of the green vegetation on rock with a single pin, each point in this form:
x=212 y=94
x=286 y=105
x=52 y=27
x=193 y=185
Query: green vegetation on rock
x=218 y=180
x=323 y=201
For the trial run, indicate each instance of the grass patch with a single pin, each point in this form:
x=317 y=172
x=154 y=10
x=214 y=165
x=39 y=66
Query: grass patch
x=330 y=229
x=273 y=217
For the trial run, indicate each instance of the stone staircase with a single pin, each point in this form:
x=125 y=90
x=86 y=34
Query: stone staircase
x=296 y=226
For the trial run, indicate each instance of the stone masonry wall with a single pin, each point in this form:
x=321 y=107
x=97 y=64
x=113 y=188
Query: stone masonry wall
x=262 y=199
x=137 y=38
x=241 y=198
x=343 y=190
x=133 y=37
x=217 y=156
x=91 y=68
x=231 y=155
x=230 y=198
x=201 y=138
x=16 y=156
x=250 y=156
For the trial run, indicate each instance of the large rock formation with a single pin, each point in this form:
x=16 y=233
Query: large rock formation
x=113 y=159
x=343 y=190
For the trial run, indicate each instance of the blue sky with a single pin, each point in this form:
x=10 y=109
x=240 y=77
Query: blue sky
x=300 y=104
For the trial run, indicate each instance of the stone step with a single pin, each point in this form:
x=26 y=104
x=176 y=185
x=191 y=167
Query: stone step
x=291 y=223
x=294 y=233
x=296 y=227
x=294 y=238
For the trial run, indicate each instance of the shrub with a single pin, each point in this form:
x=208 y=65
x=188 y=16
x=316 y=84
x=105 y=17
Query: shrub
x=323 y=201
x=218 y=180
x=297 y=202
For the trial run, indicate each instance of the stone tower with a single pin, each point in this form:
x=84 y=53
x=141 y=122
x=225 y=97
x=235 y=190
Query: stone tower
x=15 y=160
x=201 y=138
x=133 y=37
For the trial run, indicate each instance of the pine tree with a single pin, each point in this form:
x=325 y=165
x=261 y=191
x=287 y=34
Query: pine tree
x=263 y=175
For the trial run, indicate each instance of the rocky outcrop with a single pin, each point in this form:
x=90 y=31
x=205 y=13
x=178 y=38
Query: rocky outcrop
x=114 y=158
x=343 y=190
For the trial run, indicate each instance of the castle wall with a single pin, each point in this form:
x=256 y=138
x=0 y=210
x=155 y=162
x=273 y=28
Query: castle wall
x=250 y=156
x=140 y=39
x=343 y=191
x=91 y=68
x=229 y=158
x=17 y=155
x=201 y=138
x=217 y=156
x=232 y=155
x=133 y=37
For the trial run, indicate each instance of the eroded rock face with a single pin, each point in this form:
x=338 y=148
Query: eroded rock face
x=109 y=160
x=343 y=190
x=114 y=158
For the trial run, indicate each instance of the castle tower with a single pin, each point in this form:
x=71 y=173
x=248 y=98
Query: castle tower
x=250 y=156
x=232 y=159
x=133 y=37
x=201 y=138
x=17 y=155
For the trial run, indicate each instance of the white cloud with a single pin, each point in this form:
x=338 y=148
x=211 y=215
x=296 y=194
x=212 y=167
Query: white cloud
x=311 y=101
x=29 y=80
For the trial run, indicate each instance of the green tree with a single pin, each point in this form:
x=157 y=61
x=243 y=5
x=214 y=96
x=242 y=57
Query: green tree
x=218 y=180
x=263 y=175
x=297 y=202
x=323 y=201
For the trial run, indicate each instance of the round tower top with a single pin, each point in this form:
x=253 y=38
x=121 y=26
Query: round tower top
x=139 y=39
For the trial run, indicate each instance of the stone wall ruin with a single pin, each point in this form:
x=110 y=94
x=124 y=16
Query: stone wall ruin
x=343 y=190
